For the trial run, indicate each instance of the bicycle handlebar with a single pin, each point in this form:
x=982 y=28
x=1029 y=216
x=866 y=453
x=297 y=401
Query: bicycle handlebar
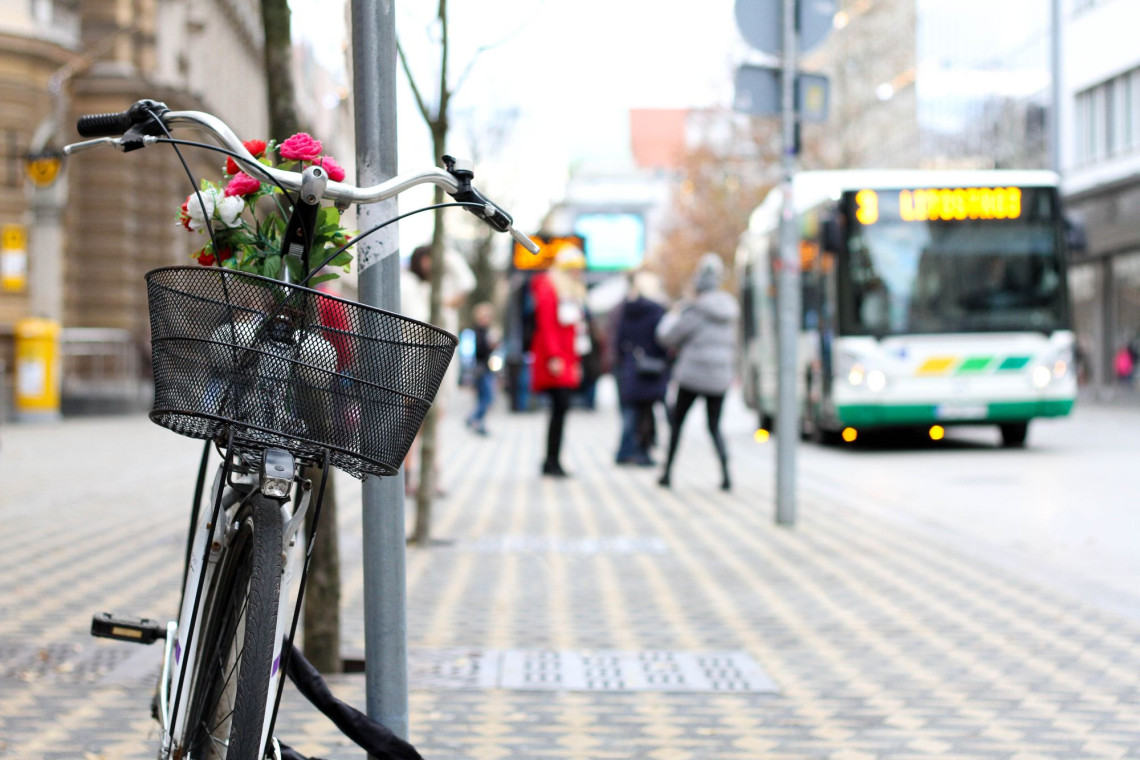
x=137 y=129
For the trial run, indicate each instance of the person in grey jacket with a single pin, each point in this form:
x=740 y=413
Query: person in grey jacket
x=702 y=332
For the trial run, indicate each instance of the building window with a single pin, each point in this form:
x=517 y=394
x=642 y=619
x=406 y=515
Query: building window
x=1108 y=118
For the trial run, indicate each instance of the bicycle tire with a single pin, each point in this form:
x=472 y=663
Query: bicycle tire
x=233 y=671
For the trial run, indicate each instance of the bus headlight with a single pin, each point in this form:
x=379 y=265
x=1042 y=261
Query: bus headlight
x=876 y=380
x=857 y=375
x=1055 y=367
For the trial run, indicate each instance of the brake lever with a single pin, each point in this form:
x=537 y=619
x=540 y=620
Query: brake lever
x=86 y=145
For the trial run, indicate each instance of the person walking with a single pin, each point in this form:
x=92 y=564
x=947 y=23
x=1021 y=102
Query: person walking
x=486 y=340
x=561 y=338
x=641 y=368
x=702 y=331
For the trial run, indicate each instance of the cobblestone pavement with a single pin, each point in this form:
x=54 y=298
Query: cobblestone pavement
x=879 y=640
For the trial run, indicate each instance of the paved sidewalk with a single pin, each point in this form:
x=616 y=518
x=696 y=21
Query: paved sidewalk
x=874 y=639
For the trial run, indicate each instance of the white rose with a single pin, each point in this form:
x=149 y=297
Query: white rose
x=194 y=208
x=216 y=206
x=229 y=211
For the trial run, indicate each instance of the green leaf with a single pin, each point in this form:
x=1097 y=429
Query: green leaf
x=294 y=265
x=271 y=267
x=344 y=258
x=328 y=216
x=318 y=279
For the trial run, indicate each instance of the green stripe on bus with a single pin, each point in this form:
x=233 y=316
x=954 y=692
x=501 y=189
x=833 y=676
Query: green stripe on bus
x=1014 y=362
x=875 y=415
x=975 y=364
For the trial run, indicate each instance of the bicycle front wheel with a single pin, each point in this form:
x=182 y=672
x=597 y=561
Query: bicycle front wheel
x=233 y=673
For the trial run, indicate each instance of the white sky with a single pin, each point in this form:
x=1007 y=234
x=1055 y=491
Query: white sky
x=572 y=68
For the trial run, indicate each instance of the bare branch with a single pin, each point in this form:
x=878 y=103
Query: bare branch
x=412 y=81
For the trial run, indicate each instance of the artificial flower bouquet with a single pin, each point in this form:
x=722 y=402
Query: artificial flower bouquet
x=248 y=215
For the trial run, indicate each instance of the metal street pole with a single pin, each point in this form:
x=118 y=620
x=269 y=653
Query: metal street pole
x=385 y=590
x=1055 y=89
x=788 y=289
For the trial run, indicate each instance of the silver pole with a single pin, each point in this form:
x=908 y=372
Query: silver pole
x=788 y=290
x=385 y=592
x=1055 y=88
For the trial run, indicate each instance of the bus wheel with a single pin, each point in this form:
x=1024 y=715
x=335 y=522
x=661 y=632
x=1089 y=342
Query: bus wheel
x=1013 y=434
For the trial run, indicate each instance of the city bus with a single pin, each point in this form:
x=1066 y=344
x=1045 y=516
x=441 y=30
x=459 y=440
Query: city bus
x=929 y=299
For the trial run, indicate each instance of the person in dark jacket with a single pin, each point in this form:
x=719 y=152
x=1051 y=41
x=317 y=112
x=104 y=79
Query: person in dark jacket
x=641 y=369
x=702 y=331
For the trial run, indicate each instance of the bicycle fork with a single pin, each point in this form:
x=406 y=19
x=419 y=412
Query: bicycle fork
x=274 y=481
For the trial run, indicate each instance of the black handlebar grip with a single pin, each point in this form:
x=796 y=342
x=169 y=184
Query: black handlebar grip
x=104 y=124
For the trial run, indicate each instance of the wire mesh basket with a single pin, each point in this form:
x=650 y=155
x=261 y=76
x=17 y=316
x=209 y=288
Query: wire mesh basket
x=290 y=367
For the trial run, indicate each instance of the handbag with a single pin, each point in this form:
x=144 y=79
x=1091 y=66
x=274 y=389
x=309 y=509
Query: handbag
x=646 y=365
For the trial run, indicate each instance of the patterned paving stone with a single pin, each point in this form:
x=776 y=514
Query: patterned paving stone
x=880 y=640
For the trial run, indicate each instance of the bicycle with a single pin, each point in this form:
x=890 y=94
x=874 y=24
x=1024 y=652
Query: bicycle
x=247 y=364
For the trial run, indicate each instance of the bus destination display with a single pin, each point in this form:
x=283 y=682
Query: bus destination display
x=937 y=204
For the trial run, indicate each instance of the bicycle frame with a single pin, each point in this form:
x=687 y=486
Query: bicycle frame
x=215 y=534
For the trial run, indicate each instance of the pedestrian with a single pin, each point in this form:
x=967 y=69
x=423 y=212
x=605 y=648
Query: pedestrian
x=702 y=332
x=486 y=341
x=561 y=337
x=1124 y=365
x=415 y=302
x=641 y=368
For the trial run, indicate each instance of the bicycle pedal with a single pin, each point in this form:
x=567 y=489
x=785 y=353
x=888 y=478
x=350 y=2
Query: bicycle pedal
x=137 y=630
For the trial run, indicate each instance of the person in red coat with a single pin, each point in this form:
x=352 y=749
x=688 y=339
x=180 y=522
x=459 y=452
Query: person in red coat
x=561 y=338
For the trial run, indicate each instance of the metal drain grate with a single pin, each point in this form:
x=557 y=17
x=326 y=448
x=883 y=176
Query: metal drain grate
x=599 y=670
x=587 y=547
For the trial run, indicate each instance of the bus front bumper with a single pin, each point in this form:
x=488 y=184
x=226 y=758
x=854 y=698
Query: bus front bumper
x=884 y=414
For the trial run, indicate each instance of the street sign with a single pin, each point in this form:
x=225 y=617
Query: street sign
x=811 y=97
x=13 y=257
x=757 y=90
x=43 y=168
x=758 y=93
x=759 y=23
x=816 y=20
x=548 y=248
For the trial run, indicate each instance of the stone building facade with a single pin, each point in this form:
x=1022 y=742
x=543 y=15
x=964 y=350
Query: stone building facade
x=110 y=217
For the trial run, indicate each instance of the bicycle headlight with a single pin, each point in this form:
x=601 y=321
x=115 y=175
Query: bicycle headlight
x=276 y=473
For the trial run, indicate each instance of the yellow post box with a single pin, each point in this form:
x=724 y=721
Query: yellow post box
x=37 y=369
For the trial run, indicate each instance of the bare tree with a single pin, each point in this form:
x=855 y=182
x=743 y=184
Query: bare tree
x=437 y=117
x=720 y=182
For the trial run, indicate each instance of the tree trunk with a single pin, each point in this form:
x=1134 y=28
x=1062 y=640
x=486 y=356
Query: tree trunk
x=322 y=597
x=276 y=20
x=322 y=593
x=425 y=492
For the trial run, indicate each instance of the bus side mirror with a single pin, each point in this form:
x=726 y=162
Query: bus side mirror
x=832 y=235
x=1076 y=237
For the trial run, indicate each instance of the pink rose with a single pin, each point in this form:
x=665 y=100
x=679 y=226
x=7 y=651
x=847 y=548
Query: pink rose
x=300 y=147
x=335 y=170
x=242 y=184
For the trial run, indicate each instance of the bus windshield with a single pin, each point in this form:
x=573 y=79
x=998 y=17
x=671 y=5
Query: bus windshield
x=921 y=272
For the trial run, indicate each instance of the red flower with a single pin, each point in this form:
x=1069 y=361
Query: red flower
x=242 y=184
x=256 y=147
x=335 y=170
x=184 y=217
x=207 y=259
x=300 y=147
